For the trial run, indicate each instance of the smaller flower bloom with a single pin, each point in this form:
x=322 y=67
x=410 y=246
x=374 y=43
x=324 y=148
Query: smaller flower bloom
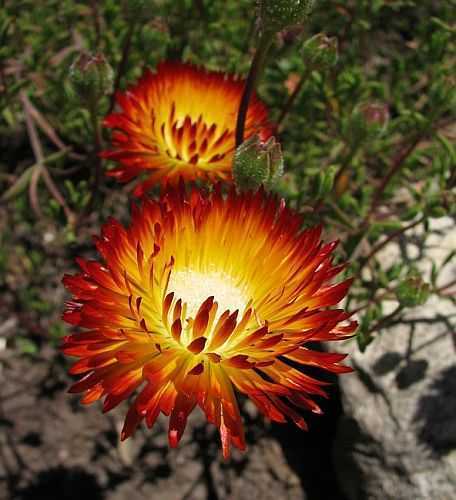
x=180 y=123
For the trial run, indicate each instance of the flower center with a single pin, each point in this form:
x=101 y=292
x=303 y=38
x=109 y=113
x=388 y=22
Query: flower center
x=194 y=288
x=194 y=141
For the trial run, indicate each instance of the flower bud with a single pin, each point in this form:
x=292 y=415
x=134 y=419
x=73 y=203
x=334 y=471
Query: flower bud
x=412 y=291
x=91 y=77
x=376 y=115
x=320 y=52
x=276 y=15
x=368 y=121
x=257 y=162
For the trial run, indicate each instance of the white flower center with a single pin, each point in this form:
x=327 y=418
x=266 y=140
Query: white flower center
x=195 y=287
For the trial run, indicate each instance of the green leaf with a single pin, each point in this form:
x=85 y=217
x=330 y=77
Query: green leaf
x=26 y=346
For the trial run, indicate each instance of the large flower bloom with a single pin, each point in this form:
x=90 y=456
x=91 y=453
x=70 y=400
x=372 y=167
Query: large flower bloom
x=180 y=122
x=201 y=295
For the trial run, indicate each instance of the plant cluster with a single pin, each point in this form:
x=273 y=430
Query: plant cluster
x=361 y=98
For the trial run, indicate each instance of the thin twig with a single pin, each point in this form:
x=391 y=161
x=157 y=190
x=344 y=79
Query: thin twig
x=50 y=133
x=386 y=319
x=40 y=168
x=378 y=298
x=96 y=22
x=444 y=288
x=291 y=100
x=396 y=165
x=387 y=240
x=31 y=129
x=38 y=153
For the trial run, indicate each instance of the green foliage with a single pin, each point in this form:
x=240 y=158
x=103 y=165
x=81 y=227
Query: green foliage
x=368 y=142
x=412 y=291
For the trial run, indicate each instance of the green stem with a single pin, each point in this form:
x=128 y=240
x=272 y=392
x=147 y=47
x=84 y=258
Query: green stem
x=255 y=71
x=98 y=145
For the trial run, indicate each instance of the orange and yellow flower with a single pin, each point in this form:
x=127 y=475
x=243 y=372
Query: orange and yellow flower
x=180 y=122
x=201 y=295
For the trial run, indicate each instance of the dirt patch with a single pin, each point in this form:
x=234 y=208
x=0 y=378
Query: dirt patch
x=52 y=447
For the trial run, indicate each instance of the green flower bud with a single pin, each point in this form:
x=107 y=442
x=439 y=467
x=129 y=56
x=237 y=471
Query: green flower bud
x=320 y=52
x=276 y=15
x=91 y=77
x=413 y=291
x=368 y=121
x=256 y=162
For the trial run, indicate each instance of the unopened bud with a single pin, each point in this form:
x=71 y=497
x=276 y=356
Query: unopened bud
x=376 y=114
x=91 y=76
x=412 y=291
x=256 y=162
x=276 y=15
x=368 y=121
x=320 y=52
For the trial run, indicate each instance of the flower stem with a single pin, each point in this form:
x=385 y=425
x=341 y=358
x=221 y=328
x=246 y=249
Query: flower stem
x=98 y=145
x=255 y=71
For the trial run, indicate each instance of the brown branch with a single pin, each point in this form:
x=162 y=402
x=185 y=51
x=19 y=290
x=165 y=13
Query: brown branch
x=444 y=288
x=40 y=168
x=385 y=320
x=373 y=299
x=395 y=167
x=51 y=134
x=385 y=242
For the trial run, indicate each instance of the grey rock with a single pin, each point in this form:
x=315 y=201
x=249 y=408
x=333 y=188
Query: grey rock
x=397 y=439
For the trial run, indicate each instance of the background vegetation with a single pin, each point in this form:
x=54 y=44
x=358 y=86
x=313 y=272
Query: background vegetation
x=368 y=139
